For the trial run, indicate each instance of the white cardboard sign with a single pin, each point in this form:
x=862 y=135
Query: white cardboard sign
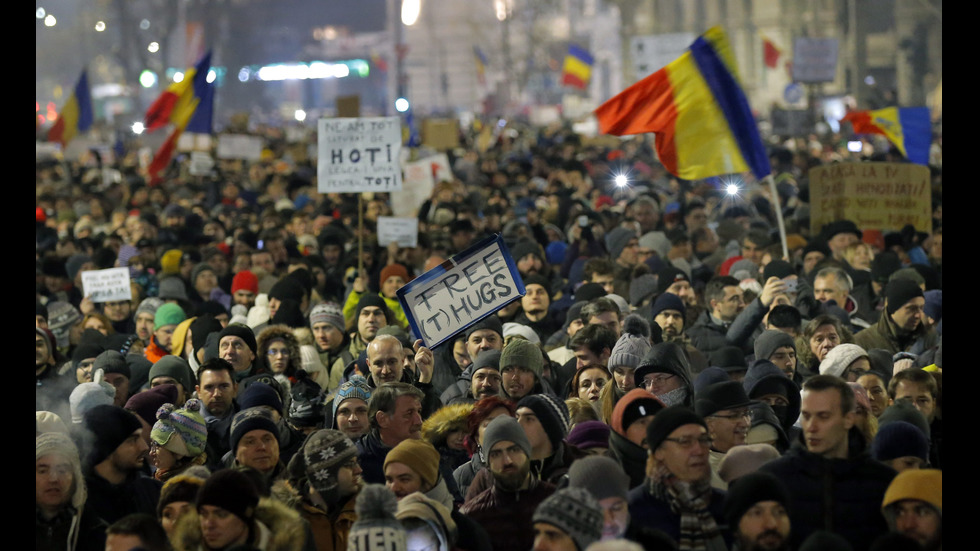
x=358 y=155
x=107 y=285
x=404 y=231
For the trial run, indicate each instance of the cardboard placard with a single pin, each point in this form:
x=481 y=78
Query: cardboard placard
x=349 y=106
x=463 y=290
x=420 y=178
x=404 y=231
x=440 y=134
x=882 y=196
x=357 y=155
x=107 y=285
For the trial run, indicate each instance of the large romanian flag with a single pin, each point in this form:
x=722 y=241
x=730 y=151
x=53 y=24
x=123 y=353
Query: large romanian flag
x=76 y=115
x=908 y=128
x=182 y=103
x=698 y=111
x=577 y=69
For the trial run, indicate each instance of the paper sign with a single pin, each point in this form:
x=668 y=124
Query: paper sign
x=357 y=155
x=815 y=59
x=239 y=146
x=882 y=196
x=404 y=231
x=463 y=290
x=420 y=178
x=107 y=285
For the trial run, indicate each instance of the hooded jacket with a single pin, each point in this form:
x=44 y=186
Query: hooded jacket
x=272 y=332
x=885 y=334
x=763 y=373
x=440 y=425
x=669 y=357
x=276 y=528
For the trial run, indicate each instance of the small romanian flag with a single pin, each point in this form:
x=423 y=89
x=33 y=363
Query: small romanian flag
x=577 y=68
x=481 y=65
x=908 y=128
x=697 y=110
x=76 y=115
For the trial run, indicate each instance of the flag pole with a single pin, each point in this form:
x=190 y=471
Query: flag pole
x=779 y=215
x=360 y=235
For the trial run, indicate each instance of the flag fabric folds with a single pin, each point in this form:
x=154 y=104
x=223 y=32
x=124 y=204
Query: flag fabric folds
x=481 y=65
x=577 y=68
x=697 y=110
x=909 y=128
x=76 y=115
x=770 y=53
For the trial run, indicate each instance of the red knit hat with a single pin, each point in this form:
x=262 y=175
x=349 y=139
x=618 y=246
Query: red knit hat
x=245 y=280
x=393 y=270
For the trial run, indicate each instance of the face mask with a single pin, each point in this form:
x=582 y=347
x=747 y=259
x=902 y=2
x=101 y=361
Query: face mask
x=781 y=413
x=674 y=397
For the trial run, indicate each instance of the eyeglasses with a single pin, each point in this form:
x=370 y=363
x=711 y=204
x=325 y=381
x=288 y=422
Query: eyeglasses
x=657 y=381
x=277 y=352
x=740 y=414
x=689 y=441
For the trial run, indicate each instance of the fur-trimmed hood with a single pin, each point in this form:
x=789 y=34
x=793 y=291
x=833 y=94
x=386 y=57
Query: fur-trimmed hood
x=284 y=332
x=445 y=420
x=277 y=528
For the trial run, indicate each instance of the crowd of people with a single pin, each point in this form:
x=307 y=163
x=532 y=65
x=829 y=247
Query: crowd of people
x=669 y=380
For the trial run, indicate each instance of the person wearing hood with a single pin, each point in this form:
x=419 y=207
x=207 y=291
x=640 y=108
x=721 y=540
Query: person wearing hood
x=767 y=383
x=627 y=439
x=666 y=373
x=61 y=519
x=446 y=430
x=479 y=380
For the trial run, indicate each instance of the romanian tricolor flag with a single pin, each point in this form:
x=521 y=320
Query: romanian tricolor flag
x=577 y=68
x=481 y=65
x=906 y=127
x=76 y=115
x=179 y=105
x=770 y=53
x=698 y=111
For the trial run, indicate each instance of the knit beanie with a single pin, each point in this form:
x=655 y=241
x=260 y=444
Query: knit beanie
x=328 y=312
x=231 y=490
x=198 y=268
x=587 y=293
x=635 y=404
x=109 y=426
x=181 y=431
x=632 y=345
x=744 y=269
x=506 y=429
x=522 y=353
x=168 y=314
x=201 y=327
x=642 y=288
x=372 y=299
x=323 y=454
x=306 y=401
x=243 y=332
x=111 y=361
x=260 y=394
x=899 y=439
x=898 y=292
x=719 y=397
x=751 y=489
x=487 y=359
x=62 y=316
x=587 y=435
x=84 y=351
x=536 y=279
x=376 y=526
x=904 y=411
x=601 y=476
x=667 y=421
x=418 y=455
x=492 y=323
x=777 y=268
x=174 y=367
x=46 y=421
x=840 y=358
x=172 y=288
x=247 y=420
x=552 y=413
x=669 y=276
x=149 y=305
x=59 y=443
x=575 y=512
x=356 y=387
x=512 y=329
x=771 y=340
x=668 y=301
x=616 y=241
x=392 y=270
x=183 y=487
x=146 y=403
x=921 y=484
x=89 y=395
x=245 y=280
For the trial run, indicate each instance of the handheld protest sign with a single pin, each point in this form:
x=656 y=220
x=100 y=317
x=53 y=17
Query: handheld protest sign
x=461 y=291
x=404 y=231
x=356 y=155
x=107 y=285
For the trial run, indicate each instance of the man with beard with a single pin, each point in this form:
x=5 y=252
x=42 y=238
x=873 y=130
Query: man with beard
x=757 y=507
x=668 y=312
x=481 y=379
x=913 y=506
x=324 y=481
x=514 y=494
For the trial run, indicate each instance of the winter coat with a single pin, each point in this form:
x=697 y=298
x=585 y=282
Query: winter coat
x=631 y=457
x=652 y=513
x=765 y=372
x=840 y=495
x=440 y=425
x=137 y=494
x=494 y=509
x=885 y=334
x=465 y=473
x=276 y=528
x=330 y=529
x=707 y=336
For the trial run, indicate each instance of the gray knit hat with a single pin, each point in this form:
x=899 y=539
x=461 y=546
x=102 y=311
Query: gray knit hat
x=174 y=367
x=522 y=353
x=328 y=312
x=148 y=306
x=56 y=442
x=552 y=413
x=506 y=429
x=616 y=241
x=633 y=344
x=602 y=476
x=88 y=395
x=376 y=526
x=771 y=340
x=324 y=453
x=575 y=512
x=840 y=358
